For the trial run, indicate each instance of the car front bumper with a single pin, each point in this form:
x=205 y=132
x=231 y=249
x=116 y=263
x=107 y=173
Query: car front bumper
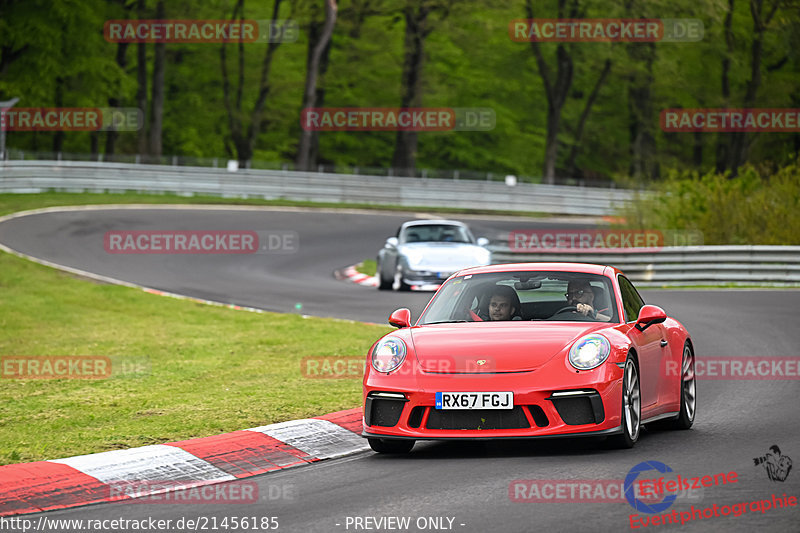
x=586 y=403
x=425 y=277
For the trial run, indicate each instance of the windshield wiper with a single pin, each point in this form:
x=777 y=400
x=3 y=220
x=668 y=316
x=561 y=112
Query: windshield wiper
x=444 y=322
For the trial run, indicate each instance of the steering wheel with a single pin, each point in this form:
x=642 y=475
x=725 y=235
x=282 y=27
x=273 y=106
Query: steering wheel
x=569 y=308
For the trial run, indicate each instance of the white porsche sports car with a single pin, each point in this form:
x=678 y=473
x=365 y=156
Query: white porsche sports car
x=424 y=253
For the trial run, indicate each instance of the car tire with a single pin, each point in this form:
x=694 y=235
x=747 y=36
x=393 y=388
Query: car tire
x=688 y=392
x=391 y=445
x=399 y=284
x=383 y=285
x=631 y=407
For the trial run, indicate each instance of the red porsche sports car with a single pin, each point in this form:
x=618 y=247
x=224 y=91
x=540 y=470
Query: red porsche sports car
x=529 y=350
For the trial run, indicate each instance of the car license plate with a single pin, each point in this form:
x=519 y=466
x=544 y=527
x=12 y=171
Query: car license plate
x=474 y=400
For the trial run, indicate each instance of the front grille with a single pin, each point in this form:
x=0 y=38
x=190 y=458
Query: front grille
x=477 y=419
x=578 y=410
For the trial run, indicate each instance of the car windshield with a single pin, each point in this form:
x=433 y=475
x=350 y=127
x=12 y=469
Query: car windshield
x=523 y=297
x=435 y=233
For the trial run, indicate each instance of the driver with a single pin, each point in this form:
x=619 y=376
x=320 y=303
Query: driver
x=581 y=295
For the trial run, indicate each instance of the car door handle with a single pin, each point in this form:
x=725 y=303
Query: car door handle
x=663 y=343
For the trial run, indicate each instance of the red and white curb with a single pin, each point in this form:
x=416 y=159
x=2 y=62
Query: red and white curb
x=354 y=276
x=351 y=274
x=85 y=479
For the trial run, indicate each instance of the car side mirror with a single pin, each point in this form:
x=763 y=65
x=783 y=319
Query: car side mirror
x=649 y=315
x=483 y=241
x=391 y=242
x=400 y=318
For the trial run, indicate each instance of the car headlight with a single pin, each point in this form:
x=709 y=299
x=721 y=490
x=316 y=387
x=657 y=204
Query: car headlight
x=388 y=354
x=589 y=352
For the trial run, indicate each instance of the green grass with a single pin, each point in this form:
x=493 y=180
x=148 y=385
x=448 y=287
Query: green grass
x=190 y=370
x=181 y=369
x=367 y=266
x=10 y=203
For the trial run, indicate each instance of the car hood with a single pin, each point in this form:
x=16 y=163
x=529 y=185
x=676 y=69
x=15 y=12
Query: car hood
x=443 y=256
x=503 y=347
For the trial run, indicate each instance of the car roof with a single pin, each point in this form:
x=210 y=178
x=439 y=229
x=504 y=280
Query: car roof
x=586 y=268
x=432 y=221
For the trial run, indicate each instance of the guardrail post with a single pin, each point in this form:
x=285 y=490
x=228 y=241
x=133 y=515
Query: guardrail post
x=455 y=174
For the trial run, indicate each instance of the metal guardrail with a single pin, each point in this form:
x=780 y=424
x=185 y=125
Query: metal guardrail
x=685 y=265
x=79 y=176
x=327 y=168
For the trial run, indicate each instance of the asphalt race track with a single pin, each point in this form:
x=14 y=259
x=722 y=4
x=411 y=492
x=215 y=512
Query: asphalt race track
x=328 y=240
x=468 y=483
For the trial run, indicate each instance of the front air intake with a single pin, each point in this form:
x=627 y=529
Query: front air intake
x=384 y=408
x=577 y=408
x=477 y=419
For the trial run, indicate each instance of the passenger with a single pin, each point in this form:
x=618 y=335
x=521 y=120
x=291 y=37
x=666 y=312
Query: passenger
x=503 y=304
x=581 y=295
